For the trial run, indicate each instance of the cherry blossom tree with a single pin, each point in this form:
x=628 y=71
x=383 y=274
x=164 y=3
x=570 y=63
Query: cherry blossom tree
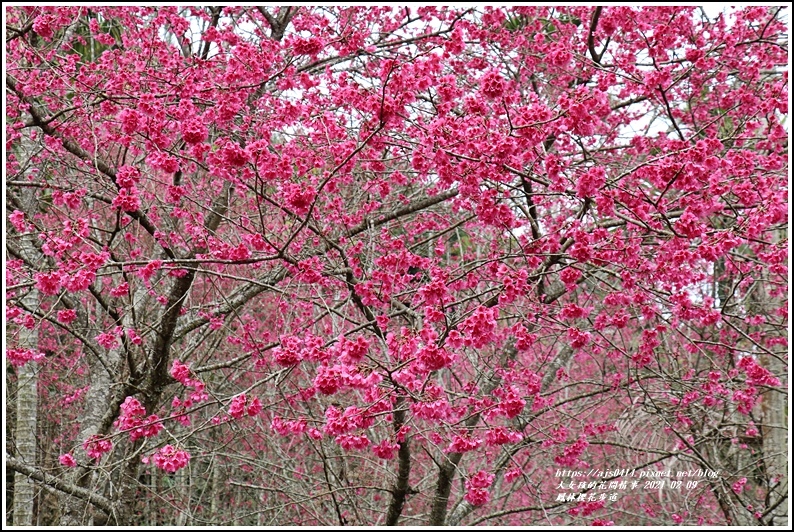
x=397 y=265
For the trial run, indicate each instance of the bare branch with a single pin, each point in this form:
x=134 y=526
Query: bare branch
x=100 y=502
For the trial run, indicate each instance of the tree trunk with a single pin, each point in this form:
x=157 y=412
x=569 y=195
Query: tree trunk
x=99 y=395
x=27 y=376
x=774 y=430
x=27 y=403
x=775 y=446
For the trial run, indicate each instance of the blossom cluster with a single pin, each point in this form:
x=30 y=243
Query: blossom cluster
x=128 y=198
x=350 y=441
x=501 y=436
x=133 y=419
x=171 y=459
x=477 y=486
x=283 y=428
x=18 y=356
x=570 y=455
x=385 y=449
x=240 y=406
x=353 y=418
x=463 y=444
x=432 y=410
x=331 y=379
x=96 y=446
x=756 y=374
x=479 y=327
x=511 y=403
x=492 y=84
x=67 y=460
x=182 y=373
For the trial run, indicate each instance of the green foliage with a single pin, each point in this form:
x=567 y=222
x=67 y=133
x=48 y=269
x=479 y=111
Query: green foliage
x=92 y=49
x=520 y=22
x=570 y=19
x=516 y=23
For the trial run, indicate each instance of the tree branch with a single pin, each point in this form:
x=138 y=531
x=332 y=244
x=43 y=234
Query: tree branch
x=446 y=471
x=402 y=489
x=408 y=209
x=44 y=124
x=278 y=25
x=100 y=502
x=591 y=36
x=216 y=15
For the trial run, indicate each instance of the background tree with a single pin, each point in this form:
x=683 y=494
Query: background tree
x=379 y=265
